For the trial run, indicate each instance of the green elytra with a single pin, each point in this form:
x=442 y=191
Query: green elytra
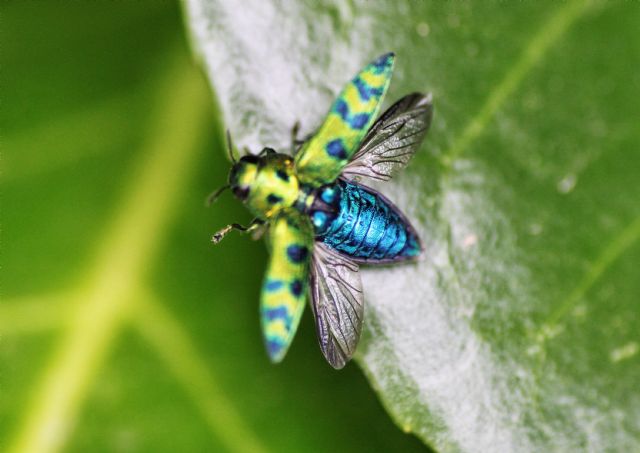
x=283 y=192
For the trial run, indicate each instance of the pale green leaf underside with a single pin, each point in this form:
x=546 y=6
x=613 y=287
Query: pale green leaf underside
x=519 y=329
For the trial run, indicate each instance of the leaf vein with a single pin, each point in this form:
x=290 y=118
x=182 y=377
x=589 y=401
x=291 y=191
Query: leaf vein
x=540 y=43
x=124 y=255
x=612 y=252
x=174 y=346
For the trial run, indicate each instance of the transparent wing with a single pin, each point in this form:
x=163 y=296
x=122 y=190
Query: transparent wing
x=284 y=290
x=337 y=302
x=393 y=139
x=322 y=158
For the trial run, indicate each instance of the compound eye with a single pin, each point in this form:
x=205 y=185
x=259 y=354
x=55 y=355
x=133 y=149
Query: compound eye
x=241 y=193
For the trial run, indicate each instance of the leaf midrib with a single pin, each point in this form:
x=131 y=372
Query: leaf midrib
x=106 y=298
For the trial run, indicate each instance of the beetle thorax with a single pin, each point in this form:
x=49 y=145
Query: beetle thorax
x=266 y=184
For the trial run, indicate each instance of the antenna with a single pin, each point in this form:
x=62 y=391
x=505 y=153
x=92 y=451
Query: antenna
x=231 y=148
x=214 y=196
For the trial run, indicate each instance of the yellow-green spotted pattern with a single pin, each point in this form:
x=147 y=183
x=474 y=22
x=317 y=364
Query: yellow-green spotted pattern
x=273 y=185
x=284 y=291
x=323 y=157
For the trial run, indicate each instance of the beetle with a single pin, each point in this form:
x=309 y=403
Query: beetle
x=322 y=222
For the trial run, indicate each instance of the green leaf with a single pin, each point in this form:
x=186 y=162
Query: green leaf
x=519 y=329
x=122 y=328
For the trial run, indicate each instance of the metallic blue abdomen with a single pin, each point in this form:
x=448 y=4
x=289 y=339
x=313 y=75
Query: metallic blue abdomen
x=359 y=222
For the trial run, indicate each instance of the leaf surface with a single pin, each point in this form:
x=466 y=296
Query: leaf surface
x=519 y=329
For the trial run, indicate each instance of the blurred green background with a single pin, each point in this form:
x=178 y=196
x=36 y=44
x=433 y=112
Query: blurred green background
x=121 y=327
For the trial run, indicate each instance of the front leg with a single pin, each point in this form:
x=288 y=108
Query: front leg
x=260 y=231
x=267 y=152
x=219 y=236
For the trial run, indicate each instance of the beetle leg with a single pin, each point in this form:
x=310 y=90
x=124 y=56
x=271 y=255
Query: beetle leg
x=297 y=143
x=218 y=236
x=266 y=152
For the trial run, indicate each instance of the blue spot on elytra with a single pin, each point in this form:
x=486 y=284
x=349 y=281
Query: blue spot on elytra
x=297 y=253
x=359 y=121
x=282 y=175
x=273 y=285
x=365 y=90
x=296 y=288
x=273 y=199
x=335 y=148
x=381 y=64
x=281 y=312
x=273 y=347
x=342 y=109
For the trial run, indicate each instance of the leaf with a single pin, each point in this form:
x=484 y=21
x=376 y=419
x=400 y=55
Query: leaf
x=122 y=328
x=519 y=329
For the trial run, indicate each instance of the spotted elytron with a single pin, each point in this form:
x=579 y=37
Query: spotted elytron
x=322 y=223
